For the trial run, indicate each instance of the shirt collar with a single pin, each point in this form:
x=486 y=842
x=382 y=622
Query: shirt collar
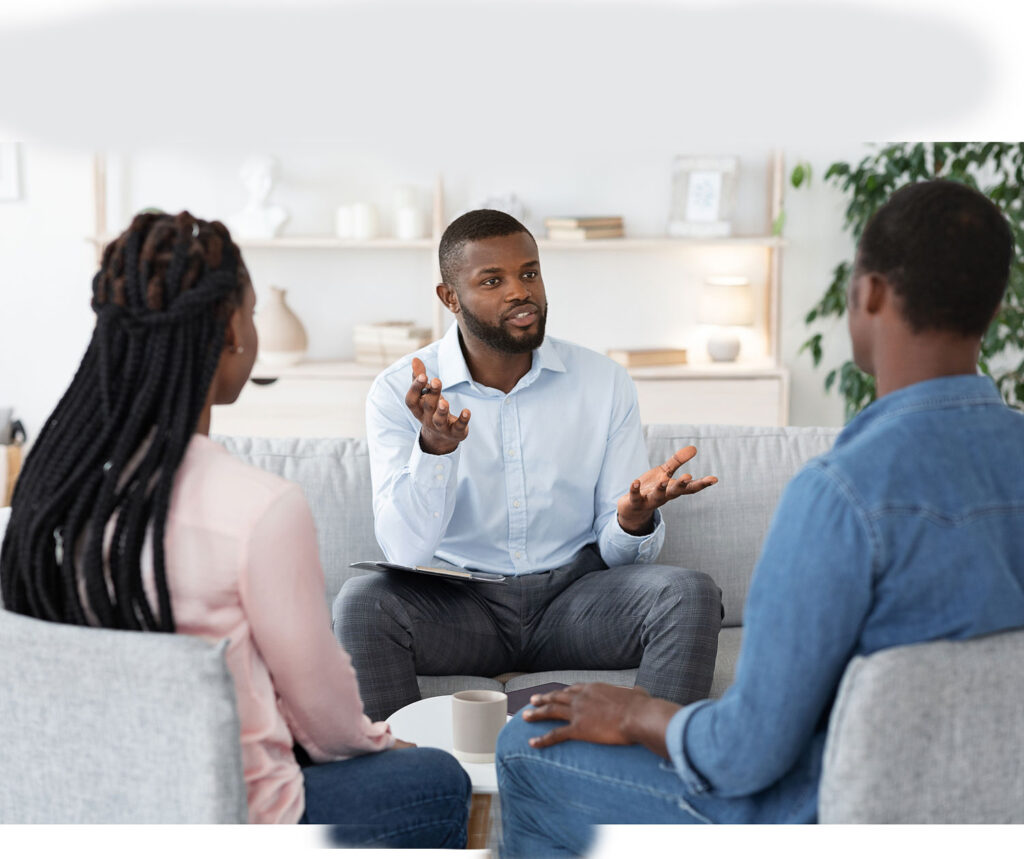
x=453 y=370
x=939 y=393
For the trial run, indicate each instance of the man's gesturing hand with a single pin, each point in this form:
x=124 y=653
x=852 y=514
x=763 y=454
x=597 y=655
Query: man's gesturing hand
x=600 y=713
x=440 y=431
x=655 y=487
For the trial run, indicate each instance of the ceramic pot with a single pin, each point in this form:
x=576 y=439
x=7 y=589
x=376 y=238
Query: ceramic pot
x=283 y=340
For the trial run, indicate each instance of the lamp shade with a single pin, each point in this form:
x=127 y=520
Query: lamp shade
x=726 y=300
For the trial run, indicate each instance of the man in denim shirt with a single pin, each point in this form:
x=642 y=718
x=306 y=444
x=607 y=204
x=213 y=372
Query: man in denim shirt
x=910 y=529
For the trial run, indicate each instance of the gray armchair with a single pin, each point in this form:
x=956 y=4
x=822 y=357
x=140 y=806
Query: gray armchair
x=929 y=733
x=104 y=726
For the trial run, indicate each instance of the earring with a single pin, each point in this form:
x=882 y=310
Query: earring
x=236 y=350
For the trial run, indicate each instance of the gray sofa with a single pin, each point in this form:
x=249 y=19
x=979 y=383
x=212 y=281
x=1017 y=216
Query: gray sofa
x=719 y=531
x=927 y=733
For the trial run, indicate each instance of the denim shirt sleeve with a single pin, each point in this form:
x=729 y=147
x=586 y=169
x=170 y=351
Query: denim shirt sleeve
x=810 y=594
x=675 y=737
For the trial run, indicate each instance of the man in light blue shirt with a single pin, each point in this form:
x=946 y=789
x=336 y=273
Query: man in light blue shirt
x=910 y=529
x=496 y=449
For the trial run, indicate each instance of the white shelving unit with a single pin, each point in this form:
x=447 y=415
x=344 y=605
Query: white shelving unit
x=327 y=397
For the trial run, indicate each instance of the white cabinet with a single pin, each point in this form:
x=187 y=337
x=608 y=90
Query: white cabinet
x=314 y=400
x=322 y=399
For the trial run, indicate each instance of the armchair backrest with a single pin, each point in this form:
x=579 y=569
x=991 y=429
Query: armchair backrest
x=106 y=726
x=929 y=733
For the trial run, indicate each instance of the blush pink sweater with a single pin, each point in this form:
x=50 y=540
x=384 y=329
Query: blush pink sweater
x=242 y=564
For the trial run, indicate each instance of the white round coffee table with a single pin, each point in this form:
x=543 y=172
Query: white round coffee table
x=428 y=723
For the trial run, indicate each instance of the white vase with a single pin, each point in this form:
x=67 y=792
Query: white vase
x=283 y=340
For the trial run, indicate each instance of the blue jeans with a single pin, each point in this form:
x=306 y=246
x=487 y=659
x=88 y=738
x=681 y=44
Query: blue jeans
x=551 y=798
x=398 y=798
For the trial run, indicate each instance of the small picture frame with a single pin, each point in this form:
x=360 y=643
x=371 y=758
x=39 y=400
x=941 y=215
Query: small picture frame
x=703 y=196
x=10 y=178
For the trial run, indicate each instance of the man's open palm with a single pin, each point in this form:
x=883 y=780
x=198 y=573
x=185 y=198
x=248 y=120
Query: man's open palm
x=656 y=487
x=441 y=432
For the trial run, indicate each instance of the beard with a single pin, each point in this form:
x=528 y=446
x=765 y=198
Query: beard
x=502 y=340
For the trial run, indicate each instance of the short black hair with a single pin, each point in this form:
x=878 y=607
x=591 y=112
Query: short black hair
x=946 y=249
x=470 y=227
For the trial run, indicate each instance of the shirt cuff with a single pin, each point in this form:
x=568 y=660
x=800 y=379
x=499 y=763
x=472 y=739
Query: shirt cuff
x=675 y=740
x=645 y=547
x=430 y=471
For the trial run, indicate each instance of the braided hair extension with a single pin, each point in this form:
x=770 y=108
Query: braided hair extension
x=163 y=297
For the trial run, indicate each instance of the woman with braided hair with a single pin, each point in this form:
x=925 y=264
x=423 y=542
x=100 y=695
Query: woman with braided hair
x=128 y=516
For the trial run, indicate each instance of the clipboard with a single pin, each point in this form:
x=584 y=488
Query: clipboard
x=455 y=575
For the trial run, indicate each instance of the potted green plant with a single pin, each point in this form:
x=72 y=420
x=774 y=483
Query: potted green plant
x=996 y=169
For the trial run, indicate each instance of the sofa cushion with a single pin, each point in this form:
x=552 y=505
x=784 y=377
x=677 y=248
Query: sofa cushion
x=107 y=726
x=720 y=530
x=929 y=733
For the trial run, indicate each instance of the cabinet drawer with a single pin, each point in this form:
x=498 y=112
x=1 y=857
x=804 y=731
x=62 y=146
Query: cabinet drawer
x=297 y=407
x=741 y=402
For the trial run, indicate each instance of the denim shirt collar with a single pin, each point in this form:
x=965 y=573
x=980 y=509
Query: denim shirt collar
x=453 y=370
x=941 y=393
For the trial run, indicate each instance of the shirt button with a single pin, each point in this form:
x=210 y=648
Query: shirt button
x=438 y=468
x=437 y=515
x=519 y=554
x=515 y=503
x=511 y=451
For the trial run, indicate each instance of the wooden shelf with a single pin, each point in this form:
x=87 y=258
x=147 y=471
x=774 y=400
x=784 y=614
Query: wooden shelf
x=331 y=243
x=706 y=370
x=313 y=243
x=317 y=370
x=627 y=243
x=658 y=386
x=657 y=242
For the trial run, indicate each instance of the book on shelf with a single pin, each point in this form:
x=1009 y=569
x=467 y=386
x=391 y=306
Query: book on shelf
x=584 y=233
x=576 y=221
x=647 y=357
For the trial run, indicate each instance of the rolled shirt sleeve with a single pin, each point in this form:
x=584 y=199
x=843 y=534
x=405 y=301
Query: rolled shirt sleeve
x=810 y=594
x=625 y=460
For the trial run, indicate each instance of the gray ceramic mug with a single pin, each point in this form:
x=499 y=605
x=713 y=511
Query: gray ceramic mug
x=478 y=715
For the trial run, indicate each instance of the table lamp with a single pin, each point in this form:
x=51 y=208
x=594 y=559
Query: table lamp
x=726 y=300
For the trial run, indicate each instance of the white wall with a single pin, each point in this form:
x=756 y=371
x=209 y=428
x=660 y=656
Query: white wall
x=621 y=298
x=45 y=274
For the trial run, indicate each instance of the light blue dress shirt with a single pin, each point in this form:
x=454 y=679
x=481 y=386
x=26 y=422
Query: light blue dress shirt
x=537 y=478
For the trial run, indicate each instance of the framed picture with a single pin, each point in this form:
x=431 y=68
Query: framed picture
x=703 y=196
x=10 y=184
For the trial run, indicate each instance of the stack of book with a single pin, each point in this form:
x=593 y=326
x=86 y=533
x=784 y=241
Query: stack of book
x=584 y=227
x=383 y=343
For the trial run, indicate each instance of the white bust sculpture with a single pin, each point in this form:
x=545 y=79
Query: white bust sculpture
x=258 y=220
